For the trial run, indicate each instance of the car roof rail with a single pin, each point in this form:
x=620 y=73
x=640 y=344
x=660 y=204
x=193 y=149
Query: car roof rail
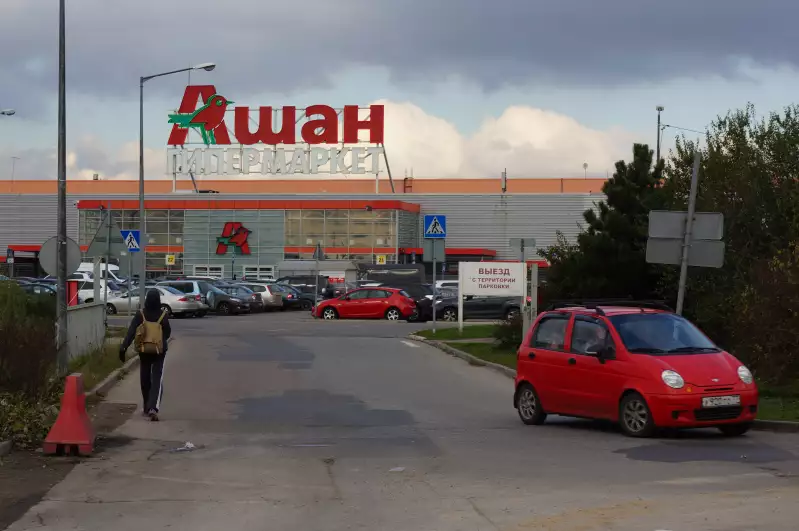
x=596 y=304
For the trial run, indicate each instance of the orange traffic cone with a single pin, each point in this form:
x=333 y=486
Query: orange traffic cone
x=72 y=432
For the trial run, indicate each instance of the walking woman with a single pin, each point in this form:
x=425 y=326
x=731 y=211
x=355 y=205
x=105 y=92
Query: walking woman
x=149 y=332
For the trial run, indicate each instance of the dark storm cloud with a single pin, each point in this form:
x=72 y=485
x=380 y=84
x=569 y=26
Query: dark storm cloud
x=281 y=46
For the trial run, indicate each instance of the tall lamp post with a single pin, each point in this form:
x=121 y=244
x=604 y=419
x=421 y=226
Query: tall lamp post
x=142 y=226
x=659 y=109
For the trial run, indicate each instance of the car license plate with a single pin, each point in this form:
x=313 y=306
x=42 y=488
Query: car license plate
x=720 y=401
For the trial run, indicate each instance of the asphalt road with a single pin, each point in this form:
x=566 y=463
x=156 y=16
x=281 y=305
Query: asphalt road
x=299 y=424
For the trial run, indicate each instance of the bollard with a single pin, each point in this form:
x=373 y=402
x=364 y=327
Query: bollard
x=72 y=433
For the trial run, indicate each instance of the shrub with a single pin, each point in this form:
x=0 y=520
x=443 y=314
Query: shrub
x=25 y=420
x=27 y=341
x=509 y=333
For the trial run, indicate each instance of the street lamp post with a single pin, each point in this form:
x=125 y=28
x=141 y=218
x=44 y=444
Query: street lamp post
x=142 y=225
x=659 y=109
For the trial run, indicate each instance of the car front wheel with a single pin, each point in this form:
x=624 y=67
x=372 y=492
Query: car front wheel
x=635 y=416
x=329 y=314
x=110 y=309
x=449 y=314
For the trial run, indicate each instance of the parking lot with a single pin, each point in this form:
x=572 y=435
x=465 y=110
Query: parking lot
x=311 y=424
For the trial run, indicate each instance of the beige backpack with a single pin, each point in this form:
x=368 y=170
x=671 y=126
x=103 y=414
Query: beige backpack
x=150 y=336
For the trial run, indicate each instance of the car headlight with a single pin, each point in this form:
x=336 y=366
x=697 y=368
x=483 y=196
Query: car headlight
x=672 y=379
x=745 y=375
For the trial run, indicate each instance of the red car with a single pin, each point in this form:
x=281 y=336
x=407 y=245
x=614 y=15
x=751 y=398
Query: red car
x=368 y=303
x=641 y=366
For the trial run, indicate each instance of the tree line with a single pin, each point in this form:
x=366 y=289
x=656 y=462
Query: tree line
x=750 y=173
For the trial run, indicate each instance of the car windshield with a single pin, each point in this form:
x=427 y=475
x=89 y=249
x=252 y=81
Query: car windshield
x=661 y=334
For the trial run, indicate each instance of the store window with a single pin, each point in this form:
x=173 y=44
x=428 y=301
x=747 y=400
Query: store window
x=255 y=272
x=217 y=271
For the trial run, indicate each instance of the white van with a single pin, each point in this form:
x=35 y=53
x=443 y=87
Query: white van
x=113 y=271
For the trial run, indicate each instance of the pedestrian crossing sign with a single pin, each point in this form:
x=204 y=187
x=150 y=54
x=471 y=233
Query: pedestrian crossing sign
x=435 y=226
x=131 y=239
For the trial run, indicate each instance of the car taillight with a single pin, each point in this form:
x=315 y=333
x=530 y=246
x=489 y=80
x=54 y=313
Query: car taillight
x=198 y=298
x=254 y=297
x=183 y=299
x=289 y=296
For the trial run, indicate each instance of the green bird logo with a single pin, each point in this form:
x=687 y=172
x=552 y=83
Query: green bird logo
x=205 y=119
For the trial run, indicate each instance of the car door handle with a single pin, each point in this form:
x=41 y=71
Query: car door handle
x=531 y=355
x=572 y=361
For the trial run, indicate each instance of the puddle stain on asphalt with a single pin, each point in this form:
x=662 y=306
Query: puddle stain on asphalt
x=687 y=451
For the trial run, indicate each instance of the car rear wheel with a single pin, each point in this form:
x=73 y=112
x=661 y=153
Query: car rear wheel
x=735 y=430
x=110 y=309
x=223 y=308
x=199 y=314
x=511 y=314
x=306 y=305
x=635 y=416
x=528 y=406
x=393 y=314
x=329 y=314
x=449 y=314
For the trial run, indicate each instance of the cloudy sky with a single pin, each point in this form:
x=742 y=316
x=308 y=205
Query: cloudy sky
x=470 y=86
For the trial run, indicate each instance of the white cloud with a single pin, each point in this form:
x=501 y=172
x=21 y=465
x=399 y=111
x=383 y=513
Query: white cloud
x=529 y=142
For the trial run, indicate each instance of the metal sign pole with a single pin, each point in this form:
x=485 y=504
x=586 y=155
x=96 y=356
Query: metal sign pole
x=460 y=298
x=107 y=257
x=533 y=294
x=130 y=274
x=434 y=286
x=525 y=316
x=689 y=223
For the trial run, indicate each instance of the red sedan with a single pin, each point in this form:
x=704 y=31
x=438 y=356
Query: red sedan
x=641 y=366
x=368 y=303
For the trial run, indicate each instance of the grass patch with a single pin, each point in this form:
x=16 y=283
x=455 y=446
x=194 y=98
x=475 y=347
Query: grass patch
x=774 y=408
x=477 y=331
x=96 y=365
x=116 y=331
x=489 y=352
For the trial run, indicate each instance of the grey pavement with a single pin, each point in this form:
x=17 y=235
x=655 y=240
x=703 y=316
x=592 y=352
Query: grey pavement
x=300 y=424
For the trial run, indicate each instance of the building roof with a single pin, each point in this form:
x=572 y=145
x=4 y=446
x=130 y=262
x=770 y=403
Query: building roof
x=312 y=186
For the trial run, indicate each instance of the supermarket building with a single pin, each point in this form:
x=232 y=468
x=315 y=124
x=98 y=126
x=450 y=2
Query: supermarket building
x=273 y=226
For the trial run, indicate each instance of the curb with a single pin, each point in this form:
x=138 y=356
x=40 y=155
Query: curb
x=5 y=448
x=777 y=426
x=473 y=360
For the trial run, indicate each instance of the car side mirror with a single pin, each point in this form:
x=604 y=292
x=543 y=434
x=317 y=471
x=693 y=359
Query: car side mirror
x=606 y=353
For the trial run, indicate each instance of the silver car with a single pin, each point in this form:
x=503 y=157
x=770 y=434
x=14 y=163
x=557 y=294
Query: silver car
x=173 y=302
x=273 y=300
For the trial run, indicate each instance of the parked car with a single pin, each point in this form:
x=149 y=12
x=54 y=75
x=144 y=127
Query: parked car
x=478 y=308
x=295 y=298
x=368 y=303
x=220 y=301
x=254 y=299
x=422 y=295
x=271 y=297
x=86 y=290
x=173 y=301
x=634 y=363
x=38 y=289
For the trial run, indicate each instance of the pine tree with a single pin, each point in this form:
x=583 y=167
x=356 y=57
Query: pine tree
x=609 y=258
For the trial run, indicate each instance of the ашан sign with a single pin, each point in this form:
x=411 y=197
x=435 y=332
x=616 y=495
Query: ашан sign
x=492 y=279
x=259 y=146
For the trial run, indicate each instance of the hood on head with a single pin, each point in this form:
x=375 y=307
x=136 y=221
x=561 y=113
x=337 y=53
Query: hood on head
x=152 y=300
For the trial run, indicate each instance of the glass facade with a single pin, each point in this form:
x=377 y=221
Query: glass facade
x=356 y=235
x=345 y=234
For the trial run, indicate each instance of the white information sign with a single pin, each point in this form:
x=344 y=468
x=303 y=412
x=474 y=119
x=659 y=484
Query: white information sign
x=492 y=279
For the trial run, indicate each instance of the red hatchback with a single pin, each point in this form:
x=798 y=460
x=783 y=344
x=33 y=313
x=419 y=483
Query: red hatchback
x=641 y=366
x=368 y=303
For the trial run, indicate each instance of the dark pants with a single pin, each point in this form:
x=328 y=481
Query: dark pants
x=152 y=380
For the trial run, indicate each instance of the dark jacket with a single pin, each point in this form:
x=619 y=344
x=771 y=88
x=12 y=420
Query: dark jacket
x=152 y=311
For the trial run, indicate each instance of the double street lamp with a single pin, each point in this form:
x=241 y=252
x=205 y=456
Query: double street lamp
x=142 y=80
